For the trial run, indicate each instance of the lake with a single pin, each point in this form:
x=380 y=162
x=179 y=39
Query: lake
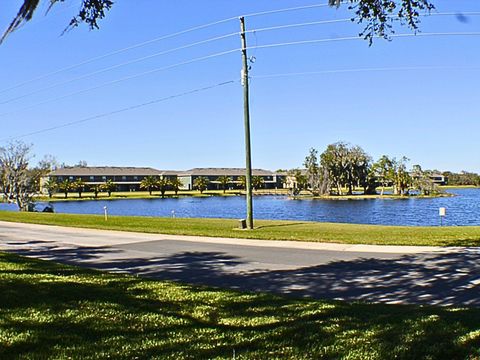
x=463 y=209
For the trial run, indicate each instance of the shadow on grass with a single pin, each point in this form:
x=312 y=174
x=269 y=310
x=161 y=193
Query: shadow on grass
x=280 y=225
x=55 y=311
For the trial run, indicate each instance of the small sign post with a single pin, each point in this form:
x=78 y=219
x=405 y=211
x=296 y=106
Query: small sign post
x=442 y=212
x=105 y=212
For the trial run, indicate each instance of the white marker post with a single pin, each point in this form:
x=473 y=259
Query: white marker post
x=106 y=213
x=442 y=212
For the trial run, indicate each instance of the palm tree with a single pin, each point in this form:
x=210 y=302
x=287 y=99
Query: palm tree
x=149 y=183
x=176 y=184
x=109 y=186
x=96 y=188
x=201 y=184
x=79 y=186
x=65 y=186
x=224 y=181
x=243 y=181
x=257 y=182
x=52 y=186
x=162 y=185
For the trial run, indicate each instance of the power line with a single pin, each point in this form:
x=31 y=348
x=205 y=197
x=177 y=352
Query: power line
x=279 y=27
x=161 y=38
x=135 y=46
x=120 y=65
x=324 y=22
x=133 y=107
x=124 y=79
x=348 y=38
x=297 y=8
x=379 y=69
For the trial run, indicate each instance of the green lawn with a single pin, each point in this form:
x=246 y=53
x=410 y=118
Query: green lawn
x=266 y=230
x=56 y=311
x=73 y=196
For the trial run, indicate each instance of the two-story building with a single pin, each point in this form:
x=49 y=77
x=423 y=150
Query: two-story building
x=126 y=178
x=271 y=180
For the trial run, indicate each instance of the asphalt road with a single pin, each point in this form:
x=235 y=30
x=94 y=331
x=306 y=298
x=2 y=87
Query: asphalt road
x=367 y=273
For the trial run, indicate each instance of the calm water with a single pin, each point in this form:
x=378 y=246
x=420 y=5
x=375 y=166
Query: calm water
x=463 y=209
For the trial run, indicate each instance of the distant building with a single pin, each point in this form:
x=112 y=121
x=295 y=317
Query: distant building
x=438 y=179
x=126 y=178
x=129 y=178
x=271 y=180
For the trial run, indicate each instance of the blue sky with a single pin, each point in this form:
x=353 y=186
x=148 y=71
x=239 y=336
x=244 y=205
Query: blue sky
x=429 y=115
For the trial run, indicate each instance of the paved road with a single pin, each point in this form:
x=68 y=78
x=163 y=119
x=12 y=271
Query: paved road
x=369 y=273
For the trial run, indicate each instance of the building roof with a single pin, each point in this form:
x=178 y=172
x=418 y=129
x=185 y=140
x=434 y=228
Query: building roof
x=107 y=171
x=224 y=172
x=147 y=171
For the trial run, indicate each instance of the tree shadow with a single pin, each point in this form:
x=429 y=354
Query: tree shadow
x=280 y=225
x=81 y=313
x=442 y=278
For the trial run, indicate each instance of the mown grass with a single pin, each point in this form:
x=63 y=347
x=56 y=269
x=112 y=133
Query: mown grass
x=72 y=196
x=48 y=310
x=265 y=229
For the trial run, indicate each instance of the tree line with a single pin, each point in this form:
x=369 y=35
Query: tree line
x=341 y=168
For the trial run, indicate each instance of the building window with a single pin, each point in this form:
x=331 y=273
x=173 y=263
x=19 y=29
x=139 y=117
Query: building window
x=104 y=178
x=92 y=178
x=135 y=178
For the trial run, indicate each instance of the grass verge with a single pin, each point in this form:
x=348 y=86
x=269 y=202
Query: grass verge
x=265 y=229
x=48 y=310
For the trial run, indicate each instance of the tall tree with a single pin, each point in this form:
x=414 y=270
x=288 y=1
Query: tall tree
x=318 y=177
x=224 y=181
x=257 y=182
x=176 y=184
x=65 y=186
x=96 y=188
x=384 y=172
x=15 y=181
x=242 y=182
x=336 y=160
x=422 y=182
x=359 y=164
x=402 y=178
x=79 y=185
x=162 y=184
x=51 y=186
x=201 y=184
x=109 y=186
x=149 y=183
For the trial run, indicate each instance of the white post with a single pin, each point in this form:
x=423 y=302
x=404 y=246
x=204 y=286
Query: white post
x=106 y=213
x=442 y=212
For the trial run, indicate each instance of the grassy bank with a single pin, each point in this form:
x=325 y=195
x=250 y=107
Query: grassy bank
x=136 y=195
x=265 y=229
x=56 y=311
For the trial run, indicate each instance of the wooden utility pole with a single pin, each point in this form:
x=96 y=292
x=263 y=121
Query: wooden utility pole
x=246 y=115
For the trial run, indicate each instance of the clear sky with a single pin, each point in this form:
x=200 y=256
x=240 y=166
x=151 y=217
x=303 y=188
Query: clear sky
x=429 y=114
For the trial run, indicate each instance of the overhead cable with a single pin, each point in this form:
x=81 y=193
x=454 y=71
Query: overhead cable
x=379 y=69
x=149 y=72
x=325 y=22
x=119 y=65
x=129 y=108
x=277 y=11
x=135 y=46
x=349 y=38
x=160 y=38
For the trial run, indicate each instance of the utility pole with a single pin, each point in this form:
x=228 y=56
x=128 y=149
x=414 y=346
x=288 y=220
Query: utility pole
x=246 y=115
